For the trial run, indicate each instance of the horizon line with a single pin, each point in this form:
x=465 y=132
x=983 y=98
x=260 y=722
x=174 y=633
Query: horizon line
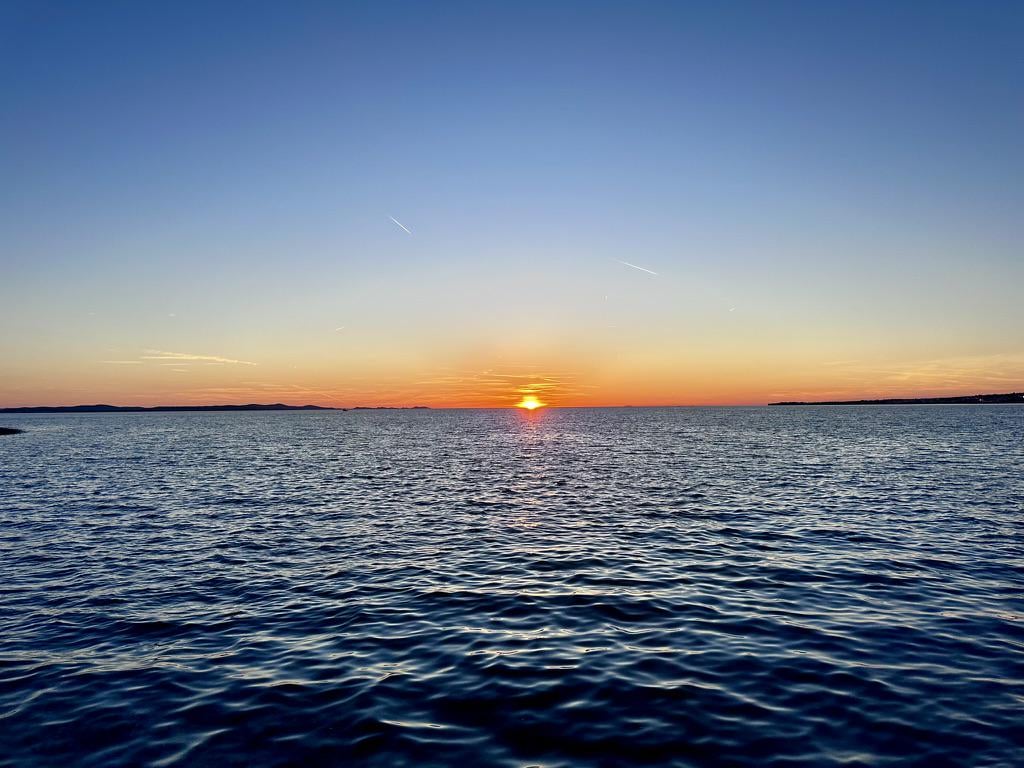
x=314 y=406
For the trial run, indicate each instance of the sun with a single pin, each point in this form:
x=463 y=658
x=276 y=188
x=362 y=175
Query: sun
x=530 y=403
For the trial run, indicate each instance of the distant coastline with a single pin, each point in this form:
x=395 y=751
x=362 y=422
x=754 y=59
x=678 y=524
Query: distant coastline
x=1011 y=397
x=164 y=408
x=144 y=409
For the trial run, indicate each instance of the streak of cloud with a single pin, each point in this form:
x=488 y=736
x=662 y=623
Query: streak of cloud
x=501 y=386
x=634 y=266
x=255 y=391
x=967 y=375
x=157 y=354
x=400 y=224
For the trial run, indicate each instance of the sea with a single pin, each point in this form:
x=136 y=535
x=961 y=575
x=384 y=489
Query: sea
x=779 y=586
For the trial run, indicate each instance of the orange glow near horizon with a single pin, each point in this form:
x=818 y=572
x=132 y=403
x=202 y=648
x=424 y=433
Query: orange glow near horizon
x=530 y=403
x=376 y=374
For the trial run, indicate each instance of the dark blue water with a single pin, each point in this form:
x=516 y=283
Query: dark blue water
x=745 y=587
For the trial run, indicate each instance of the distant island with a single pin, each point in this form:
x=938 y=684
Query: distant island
x=1012 y=397
x=160 y=408
x=143 y=409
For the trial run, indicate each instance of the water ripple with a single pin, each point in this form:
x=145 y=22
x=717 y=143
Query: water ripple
x=744 y=587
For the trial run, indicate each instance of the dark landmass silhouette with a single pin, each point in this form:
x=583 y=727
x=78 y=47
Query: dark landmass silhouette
x=10 y=431
x=1011 y=397
x=143 y=409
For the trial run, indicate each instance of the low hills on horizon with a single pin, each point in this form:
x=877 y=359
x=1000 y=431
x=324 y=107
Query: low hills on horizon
x=102 y=408
x=1009 y=397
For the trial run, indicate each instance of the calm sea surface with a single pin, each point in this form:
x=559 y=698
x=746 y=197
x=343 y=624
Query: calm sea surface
x=732 y=586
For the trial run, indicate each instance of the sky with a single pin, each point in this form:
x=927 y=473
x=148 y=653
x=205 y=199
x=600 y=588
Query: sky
x=445 y=204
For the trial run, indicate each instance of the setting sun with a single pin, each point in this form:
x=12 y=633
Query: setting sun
x=530 y=403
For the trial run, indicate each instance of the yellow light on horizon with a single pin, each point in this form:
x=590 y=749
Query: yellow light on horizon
x=530 y=403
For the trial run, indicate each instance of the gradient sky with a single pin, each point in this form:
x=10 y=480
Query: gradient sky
x=195 y=196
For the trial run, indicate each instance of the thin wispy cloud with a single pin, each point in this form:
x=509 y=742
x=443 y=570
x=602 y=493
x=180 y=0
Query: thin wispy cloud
x=966 y=375
x=634 y=266
x=400 y=224
x=122 y=362
x=157 y=354
x=261 y=390
x=492 y=386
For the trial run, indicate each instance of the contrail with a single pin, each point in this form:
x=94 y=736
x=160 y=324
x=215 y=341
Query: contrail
x=634 y=266
x=399 y=224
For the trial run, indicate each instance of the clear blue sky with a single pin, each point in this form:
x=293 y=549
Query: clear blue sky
x=215 y=180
